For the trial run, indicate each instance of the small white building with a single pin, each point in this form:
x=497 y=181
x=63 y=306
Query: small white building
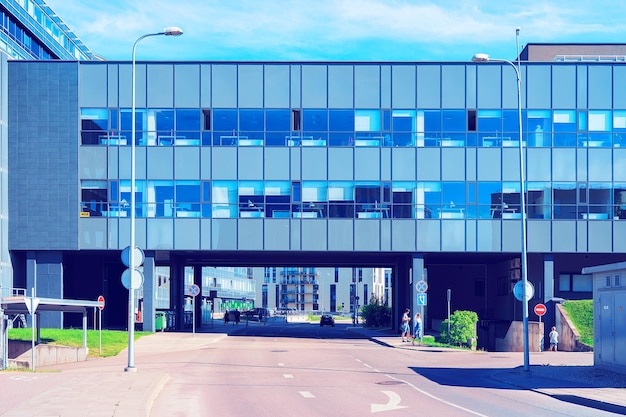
x=609 y=315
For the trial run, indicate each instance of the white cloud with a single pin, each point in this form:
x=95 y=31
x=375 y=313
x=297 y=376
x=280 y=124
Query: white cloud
x=332 y=29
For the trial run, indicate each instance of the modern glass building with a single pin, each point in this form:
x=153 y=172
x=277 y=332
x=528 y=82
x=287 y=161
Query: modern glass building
x=408 y=166
x=29 y=30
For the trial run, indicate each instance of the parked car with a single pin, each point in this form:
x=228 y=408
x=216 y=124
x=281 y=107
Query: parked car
x=327 y=319
x=285 y=311
x=257 y=313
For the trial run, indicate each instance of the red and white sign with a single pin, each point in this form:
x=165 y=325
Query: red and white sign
x=540 y=309
x=101 y=300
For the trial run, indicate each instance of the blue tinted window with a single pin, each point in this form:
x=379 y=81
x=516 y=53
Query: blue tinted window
x=510 y=121
x=163 y=119
x=315 y=120
x=454 y=121
x=341 y=120
x=277 y=120
x=225 y=119
x=251 y=119
x=489 y=121
x=187 y=119
x=367 y=120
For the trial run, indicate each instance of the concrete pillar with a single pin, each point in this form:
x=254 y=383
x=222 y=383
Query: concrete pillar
x=149 y=292
x=401 y=290
x=44 y=274
x=197 y=279
x=418 y=274
x=548 y=278
x=177 y=291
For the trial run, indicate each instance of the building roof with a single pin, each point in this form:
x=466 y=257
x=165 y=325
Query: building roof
x=574 y=52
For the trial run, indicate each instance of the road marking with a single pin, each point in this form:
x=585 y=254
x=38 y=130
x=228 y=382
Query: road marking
x=287 y=376
x=364 y=364
x=281 y=364
x=392 y=404
x=306 y=394
x=435 y=397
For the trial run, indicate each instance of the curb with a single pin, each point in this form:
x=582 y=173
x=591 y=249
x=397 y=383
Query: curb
x=153 y=392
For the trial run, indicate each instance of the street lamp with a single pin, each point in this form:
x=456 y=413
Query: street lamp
x=524 y=251
x=169 y=31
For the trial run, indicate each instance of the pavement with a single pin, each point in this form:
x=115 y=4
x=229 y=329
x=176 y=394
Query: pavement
x=105 y=387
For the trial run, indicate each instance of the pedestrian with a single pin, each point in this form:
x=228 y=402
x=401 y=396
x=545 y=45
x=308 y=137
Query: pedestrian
x=226 y=317
x=404 y=325
x=417 y=329
x=554 y=339
x=237 y=316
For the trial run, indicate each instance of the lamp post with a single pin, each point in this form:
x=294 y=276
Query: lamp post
x=169 y=31
x=522 y=180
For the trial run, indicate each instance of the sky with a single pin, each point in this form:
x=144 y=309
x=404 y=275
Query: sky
x=336 y=30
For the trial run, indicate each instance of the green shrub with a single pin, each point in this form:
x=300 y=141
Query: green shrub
x=375 y=315
x=462 y=329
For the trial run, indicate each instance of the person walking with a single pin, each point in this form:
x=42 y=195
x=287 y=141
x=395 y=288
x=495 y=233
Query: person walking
x=404 y=325
x=417 y=329
x=554 y=339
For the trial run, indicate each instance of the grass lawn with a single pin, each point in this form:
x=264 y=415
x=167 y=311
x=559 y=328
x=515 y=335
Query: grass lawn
x=581 y=313
x=113 y=342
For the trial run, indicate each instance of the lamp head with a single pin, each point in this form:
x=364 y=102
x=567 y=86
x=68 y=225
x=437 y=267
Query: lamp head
x=480 y=57
x=172 y=31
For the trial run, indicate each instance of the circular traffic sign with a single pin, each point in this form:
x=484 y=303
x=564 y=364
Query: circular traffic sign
x=193 y=290
x=540 y=309
x=138 y=256
x=518 y=290
x=133 y=283
x=421 y=286
x=101 y=300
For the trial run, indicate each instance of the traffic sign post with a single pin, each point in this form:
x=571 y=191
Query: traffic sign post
x=540 y=310
x=100 y=308
x=193 y=290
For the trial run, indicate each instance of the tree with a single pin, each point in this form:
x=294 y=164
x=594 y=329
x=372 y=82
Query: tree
x=462 y=328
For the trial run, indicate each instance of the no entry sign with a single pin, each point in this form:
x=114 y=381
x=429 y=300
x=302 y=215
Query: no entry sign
x=540 y=309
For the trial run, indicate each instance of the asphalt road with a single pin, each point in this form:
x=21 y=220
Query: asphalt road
x=311 y=371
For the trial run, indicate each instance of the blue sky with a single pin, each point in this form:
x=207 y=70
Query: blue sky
x=337 y=30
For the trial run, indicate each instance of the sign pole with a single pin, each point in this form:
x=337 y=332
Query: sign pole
x=32 y=324
x=100 y=330
x=449 y=296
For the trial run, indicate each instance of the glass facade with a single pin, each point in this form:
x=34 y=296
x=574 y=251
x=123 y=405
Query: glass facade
x=453 y=152
x=29 y=29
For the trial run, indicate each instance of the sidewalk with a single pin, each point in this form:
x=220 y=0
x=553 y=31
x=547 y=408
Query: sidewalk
x=568 y=376
x=102 y=387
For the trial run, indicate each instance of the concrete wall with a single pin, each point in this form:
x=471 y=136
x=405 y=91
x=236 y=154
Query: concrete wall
x=513 y=341
x=569 y=338
x=20 y=354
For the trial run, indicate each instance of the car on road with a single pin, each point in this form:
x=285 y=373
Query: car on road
x=285 y=311
x=257 y=313
x=327 y=320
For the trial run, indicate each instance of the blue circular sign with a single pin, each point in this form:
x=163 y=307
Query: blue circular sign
x=193 y=290
x=421 y=286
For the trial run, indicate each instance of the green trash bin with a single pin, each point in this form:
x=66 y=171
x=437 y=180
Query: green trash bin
x=159 y=321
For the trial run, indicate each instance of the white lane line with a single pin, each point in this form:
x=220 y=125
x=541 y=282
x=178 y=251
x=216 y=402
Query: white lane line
x=436 y=398
x=306 y=394
x=364 y=364
x=281 y=364
x=287 y=376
